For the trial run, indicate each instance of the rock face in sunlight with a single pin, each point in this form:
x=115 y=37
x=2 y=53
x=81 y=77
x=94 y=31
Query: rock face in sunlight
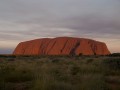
x=61 y=46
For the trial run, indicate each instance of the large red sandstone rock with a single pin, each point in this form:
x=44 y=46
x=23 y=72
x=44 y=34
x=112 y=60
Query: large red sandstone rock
x=61 y=46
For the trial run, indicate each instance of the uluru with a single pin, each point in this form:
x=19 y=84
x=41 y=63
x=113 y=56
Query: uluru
x=61 y=46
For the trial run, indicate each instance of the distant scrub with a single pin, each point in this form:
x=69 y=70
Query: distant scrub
x=113 y=63
x=114 y=55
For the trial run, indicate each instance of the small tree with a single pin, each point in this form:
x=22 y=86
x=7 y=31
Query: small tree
x=80 y=54
x=95 y=53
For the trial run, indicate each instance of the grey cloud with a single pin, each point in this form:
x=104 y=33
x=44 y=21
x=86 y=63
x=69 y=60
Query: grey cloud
x=28 y=19
x=86 y=25
x=94 y=24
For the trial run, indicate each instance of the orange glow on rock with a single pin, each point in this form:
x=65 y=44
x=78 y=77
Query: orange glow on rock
x=61 y=46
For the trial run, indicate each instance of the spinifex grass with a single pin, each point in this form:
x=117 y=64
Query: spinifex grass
x=59 y=73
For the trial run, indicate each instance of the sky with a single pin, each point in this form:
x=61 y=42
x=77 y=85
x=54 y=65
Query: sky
x=22 y=20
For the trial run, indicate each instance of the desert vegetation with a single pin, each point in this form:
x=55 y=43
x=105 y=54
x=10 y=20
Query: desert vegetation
x=59 y=72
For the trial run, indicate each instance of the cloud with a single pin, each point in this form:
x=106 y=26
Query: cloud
x=94 y=24
x=22 y=20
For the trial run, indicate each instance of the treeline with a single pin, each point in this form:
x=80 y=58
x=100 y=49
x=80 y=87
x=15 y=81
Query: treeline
x=14 y=56
x=114 y=55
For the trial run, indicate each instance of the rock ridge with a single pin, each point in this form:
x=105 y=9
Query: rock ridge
x=61 y=46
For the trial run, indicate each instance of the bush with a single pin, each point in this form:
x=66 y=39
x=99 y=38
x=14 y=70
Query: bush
x=59 y=73
x=113 y=63
x=114 y=55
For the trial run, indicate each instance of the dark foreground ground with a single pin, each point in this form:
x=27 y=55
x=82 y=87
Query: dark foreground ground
x=59 y=73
